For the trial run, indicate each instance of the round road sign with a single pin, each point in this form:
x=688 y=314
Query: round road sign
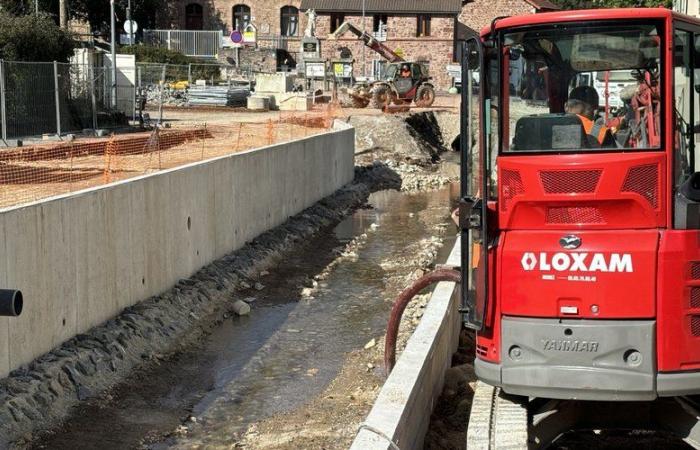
x=130 y=27
x=236 y=37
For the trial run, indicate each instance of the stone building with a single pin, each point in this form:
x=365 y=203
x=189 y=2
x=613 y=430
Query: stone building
x=419 y=30
x=477 y=14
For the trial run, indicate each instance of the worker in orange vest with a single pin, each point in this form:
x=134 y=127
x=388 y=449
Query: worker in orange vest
x=583 y=101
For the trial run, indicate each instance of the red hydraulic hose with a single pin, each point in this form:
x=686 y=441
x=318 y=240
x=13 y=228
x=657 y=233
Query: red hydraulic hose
x=392 y=328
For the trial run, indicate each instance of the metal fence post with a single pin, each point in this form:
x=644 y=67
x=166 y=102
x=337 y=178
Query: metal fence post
x=58 y=98
x=189 y=73
x=93 y=99
x=162 y=88
x=3 y=112
x=169 y=40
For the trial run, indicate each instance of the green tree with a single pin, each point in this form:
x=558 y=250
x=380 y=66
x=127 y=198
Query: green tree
x=149 y=54
x=96 y=13
x=33 y=38
x=176 y=60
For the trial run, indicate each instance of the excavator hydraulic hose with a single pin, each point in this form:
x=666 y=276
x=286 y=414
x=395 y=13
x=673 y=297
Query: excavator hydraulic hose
x=392 y=329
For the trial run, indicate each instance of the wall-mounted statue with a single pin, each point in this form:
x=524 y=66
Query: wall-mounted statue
x=310 y=23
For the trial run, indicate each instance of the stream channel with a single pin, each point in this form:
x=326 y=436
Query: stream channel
x=251 y=367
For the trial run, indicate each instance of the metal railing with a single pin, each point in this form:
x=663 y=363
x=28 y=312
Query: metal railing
x=276 y=41
x=201 y=44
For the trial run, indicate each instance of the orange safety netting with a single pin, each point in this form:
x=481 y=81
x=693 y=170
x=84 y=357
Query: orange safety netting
x=39 y=171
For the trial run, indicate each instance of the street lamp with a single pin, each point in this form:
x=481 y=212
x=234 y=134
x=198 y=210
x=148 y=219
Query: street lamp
x=114 y=53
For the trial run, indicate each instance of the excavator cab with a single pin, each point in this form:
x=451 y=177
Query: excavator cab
x=580 y=254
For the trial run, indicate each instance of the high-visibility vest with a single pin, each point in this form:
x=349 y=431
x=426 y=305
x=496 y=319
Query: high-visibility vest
x=596 y=130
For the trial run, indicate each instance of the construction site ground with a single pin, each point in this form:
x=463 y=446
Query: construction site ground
x=42 y=169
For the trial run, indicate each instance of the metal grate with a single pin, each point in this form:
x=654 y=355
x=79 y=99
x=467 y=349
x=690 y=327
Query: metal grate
x=574 y=215
x=695 y=325
x=644 y=180
x=695 y=297
x=570 y=181
x=695 y=270
x=511 y=185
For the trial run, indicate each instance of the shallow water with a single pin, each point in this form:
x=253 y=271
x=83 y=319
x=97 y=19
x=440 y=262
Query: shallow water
x=288 y=349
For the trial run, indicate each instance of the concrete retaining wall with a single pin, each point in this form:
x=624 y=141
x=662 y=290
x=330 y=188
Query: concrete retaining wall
x=402 y=411
x=80 y=259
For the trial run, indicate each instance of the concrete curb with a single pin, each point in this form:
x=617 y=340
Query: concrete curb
x=400 y=416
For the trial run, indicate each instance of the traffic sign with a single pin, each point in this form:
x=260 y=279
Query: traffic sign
x=236 y=37
x=130 y=26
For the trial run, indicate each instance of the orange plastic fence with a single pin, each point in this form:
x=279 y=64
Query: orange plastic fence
x=35 y=172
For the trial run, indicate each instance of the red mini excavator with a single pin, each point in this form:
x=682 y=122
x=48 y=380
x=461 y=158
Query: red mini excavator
x=581 y=226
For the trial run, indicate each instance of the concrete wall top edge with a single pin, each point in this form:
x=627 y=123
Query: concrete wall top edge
x=87 y=191
x=403 y=407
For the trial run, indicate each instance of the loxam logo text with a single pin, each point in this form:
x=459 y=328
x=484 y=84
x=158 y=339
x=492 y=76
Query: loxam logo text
x=577 y=262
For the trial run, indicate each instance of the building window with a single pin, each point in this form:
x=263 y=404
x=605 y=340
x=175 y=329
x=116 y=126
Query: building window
x=194 y=17
x=337 y=20
x=289 y=21
x=380 y=26
x=241 y=17
x=423 y=26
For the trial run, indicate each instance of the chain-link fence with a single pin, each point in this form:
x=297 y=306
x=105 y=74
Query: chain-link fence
x=38 y=98
x=57 y=98
x=45 y=169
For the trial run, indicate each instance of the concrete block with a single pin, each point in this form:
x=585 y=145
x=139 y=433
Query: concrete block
x=279 y=82
x=258 y=103
x=295 y=101
x=4 y=321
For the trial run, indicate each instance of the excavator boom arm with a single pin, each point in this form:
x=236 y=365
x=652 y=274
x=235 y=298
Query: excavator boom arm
x=368 y=40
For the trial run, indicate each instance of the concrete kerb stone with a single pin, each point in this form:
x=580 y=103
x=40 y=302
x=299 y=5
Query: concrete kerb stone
x=401 y=413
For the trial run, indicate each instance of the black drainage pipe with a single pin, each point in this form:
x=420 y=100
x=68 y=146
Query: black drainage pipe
x=11 y=302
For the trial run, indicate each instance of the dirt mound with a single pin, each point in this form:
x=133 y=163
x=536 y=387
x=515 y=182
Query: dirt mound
x=416 y=138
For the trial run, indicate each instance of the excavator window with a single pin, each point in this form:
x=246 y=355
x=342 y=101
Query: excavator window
x=556 y=82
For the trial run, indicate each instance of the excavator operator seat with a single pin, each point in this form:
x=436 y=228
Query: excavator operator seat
x=543 y=132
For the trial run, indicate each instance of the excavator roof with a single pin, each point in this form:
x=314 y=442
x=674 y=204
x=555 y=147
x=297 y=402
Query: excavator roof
x=586 y=15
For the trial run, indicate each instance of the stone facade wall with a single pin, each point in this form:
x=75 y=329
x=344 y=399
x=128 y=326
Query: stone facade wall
x=437 y=49
x=477 y=14
x=218 y=14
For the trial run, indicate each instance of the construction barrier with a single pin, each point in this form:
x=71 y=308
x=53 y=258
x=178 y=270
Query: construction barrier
x=35 y=172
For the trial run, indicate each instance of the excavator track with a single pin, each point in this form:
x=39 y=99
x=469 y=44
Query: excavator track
x=497 y=420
